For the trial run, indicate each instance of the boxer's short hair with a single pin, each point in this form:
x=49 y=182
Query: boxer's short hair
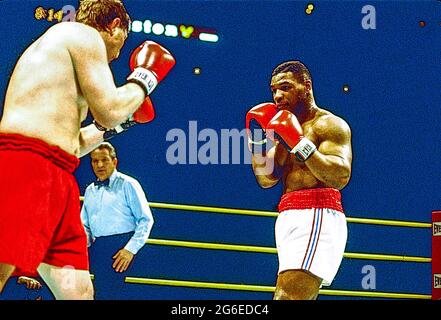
x=100 y=13
x=108 y=146
x=299 y=70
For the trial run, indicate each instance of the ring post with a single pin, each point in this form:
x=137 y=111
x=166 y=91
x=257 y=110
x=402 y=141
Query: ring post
x=436 y=255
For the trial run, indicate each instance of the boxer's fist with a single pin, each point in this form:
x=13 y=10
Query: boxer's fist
x=144 y=114
x=285 y=128
x=150 y=63
x=257 y=119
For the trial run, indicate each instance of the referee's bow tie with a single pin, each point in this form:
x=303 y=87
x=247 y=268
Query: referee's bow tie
x=104 y=183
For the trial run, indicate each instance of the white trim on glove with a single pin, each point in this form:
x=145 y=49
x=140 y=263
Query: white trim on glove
x=145 y=78
x=304 y=149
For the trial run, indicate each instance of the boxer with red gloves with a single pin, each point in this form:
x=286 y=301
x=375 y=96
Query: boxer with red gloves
x=149 y=63
x=61 y=77
x=312 y=156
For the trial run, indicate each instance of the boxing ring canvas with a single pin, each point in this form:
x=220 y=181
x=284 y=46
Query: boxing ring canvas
x=376 y=65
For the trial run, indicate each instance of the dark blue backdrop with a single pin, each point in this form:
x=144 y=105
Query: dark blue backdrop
x=393 y=108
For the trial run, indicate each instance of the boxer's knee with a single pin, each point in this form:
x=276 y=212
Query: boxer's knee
x=67 y=283
x=84 y=291
x=88 y=292
x=297 y=285
x=81 y=290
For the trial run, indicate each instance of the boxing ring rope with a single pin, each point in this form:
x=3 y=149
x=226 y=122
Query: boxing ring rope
x=256 y=249
x=185 y=207
x=398 y=223
x=257 y=288
x=271 y=250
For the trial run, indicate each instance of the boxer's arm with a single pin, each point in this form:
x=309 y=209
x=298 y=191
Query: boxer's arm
x=269 y=169
x=263 y=168
x=90 y=138
x=108 y=104
x=331 y=163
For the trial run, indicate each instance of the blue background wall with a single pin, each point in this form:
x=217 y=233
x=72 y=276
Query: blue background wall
x=393 y=108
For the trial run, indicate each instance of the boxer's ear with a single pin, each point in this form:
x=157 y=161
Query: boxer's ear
x=308 y=85
x=116 y=23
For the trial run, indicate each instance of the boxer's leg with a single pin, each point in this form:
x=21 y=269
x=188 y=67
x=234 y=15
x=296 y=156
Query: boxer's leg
x=297 y=285
x=5 y=272
x=67 y=283
x=297 y=236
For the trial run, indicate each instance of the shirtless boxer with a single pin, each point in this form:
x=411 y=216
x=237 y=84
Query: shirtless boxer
x=312 y=157
x=57 y=80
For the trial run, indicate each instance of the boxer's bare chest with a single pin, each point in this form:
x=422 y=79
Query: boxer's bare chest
x=296 y=174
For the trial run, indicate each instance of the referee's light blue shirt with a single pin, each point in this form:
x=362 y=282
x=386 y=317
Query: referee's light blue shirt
x=118 y=208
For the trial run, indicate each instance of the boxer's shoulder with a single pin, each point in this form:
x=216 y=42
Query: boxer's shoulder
x=74 y=34
x=81 y=40
x=74 y=29
x=326 y=122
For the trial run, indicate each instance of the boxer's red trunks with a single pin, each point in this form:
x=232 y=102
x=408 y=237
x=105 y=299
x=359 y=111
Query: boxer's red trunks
x=39 y=206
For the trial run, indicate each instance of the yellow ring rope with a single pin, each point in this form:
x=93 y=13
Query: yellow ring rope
x=257 y=288
x=184 y=207
x=256 y=249
x=399 y=223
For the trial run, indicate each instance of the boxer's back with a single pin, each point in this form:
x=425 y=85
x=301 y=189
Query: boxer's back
x=43 y=99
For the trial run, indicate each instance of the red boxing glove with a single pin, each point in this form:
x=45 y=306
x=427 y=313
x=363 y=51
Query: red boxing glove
x=150 y=63
x=285 y=128
x=145 y=112
x=257 y=119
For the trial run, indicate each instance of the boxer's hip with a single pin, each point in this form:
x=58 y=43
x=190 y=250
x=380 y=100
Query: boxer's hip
x=12 y=143
x=320 y=198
